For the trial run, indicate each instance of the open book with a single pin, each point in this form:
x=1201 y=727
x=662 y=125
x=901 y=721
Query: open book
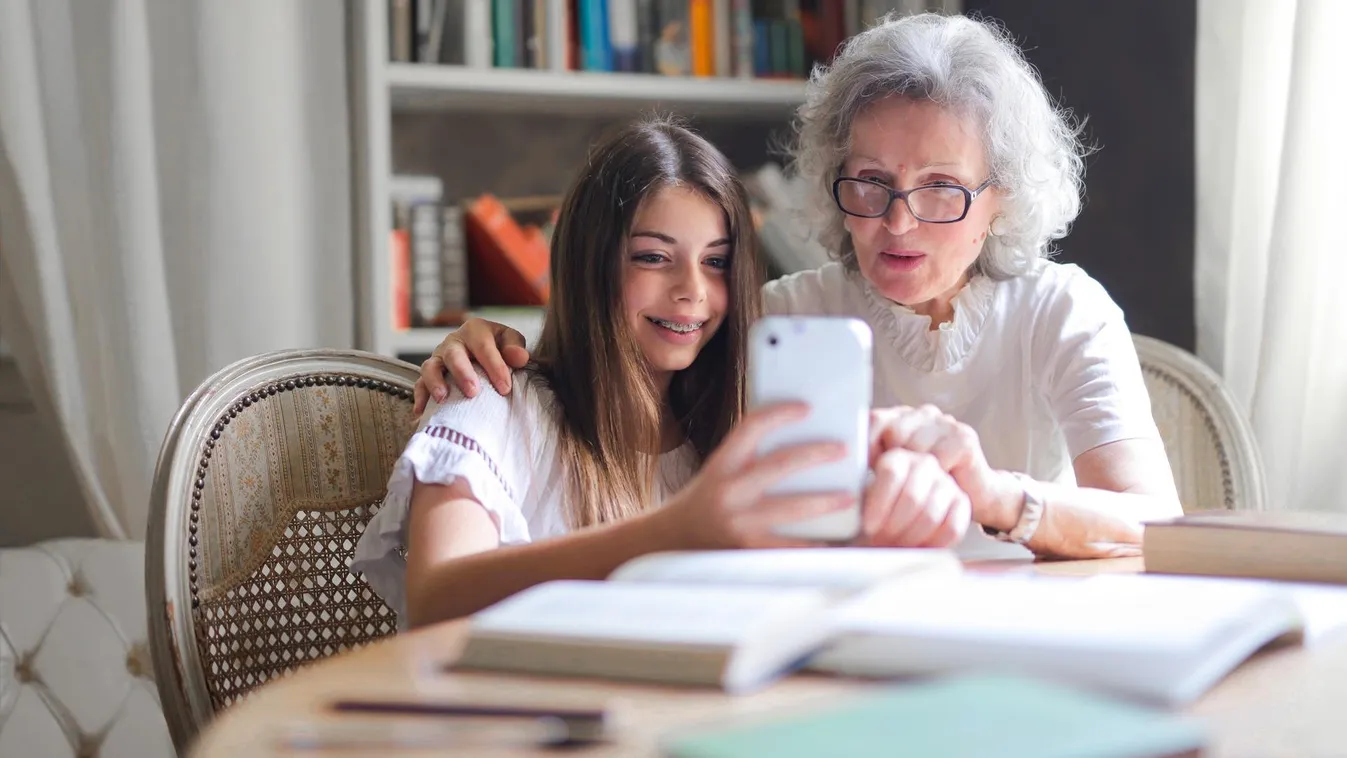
x=734 y=619
x=1164 y=640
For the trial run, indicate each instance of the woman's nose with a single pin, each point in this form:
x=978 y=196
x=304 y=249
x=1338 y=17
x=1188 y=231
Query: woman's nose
x=899 y=219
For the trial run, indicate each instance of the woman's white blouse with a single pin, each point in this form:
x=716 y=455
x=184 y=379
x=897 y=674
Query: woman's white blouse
x=1042 y=366
x=506 y=449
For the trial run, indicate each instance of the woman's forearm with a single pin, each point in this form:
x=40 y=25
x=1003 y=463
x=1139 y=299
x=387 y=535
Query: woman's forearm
x=465 y=584
x=1081 y=522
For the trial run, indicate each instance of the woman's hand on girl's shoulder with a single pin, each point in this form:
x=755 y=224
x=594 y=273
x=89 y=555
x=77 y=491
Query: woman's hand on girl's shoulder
x=726 y=504
x=496 y=347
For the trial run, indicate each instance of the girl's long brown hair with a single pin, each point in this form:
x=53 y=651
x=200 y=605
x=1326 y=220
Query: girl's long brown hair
x=607 y=407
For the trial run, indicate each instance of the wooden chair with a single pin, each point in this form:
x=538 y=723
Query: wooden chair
x=1210 y=444
x=266 y=479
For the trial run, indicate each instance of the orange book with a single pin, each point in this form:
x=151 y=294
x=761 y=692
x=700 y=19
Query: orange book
x=702 y=39
x=507 y=264
x=400 y=278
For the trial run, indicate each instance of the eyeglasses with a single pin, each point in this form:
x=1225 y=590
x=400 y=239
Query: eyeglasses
x=932 y=203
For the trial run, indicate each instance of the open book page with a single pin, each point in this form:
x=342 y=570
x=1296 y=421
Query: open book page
x=678 y=613
x=1323 y=607
x=1113 y=612
x=1164 y=639
x=835 y=569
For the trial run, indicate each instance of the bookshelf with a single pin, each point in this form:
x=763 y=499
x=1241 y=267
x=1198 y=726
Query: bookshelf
x=418 y=86
x=380 y=89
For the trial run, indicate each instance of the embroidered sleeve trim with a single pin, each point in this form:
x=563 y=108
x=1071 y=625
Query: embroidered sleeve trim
x=470 y=444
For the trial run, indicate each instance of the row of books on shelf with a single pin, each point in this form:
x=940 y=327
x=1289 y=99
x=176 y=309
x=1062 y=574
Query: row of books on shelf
x=705 y=38
x=449 y=258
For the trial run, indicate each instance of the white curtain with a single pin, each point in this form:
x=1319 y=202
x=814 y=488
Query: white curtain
x=174 y=196
x=1271 y=258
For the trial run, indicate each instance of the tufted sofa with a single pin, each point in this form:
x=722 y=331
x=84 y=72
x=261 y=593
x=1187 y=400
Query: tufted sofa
x=75 y=671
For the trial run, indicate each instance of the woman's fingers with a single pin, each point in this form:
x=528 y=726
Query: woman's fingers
x=958 y=517
x=911 y=521
x=431 y=381
x=880 y=497
x=482 y=347
x=895 y=427
x=420 y=395
x=517 y=356
x=456 y=360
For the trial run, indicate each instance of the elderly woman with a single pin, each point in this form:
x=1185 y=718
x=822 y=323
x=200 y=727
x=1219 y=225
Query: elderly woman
x=942 y=173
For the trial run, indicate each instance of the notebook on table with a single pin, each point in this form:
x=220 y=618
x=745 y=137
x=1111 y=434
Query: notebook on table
x=960 y=717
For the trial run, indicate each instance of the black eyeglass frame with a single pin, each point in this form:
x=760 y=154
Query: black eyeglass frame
x=969 y=195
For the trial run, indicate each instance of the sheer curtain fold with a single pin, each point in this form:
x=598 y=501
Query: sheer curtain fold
x=173 y=197
x=1270 y=252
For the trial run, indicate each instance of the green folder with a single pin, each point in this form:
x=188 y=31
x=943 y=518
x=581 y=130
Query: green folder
x=982 y=716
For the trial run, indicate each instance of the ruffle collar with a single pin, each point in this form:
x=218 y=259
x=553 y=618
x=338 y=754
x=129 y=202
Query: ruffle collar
x=920 y=346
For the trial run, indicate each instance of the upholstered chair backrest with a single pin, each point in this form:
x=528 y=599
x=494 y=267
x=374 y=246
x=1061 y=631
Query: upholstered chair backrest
x=267 y=477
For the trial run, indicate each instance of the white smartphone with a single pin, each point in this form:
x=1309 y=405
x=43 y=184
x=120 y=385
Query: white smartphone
x=823 y=361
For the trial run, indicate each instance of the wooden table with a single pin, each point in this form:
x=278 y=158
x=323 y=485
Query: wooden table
x=1282 y=702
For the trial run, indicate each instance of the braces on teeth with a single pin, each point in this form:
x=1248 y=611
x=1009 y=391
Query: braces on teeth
x=682 y=328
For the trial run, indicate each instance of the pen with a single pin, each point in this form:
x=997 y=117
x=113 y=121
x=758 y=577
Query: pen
x=581 y=725
x=431 y=708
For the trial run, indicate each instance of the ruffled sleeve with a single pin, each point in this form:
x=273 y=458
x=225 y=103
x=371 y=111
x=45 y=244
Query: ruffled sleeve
x=487 y=442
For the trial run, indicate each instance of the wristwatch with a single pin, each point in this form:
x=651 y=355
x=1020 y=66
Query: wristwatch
x=1031 y=513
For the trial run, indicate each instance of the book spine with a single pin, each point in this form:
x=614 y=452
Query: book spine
x=647 y=31
x=722 y=26
x=400 y=31
x=558 y=35
x=478 y=47
x=624 y=35
x=400 y=278
x=454 y=259
x=523 y=27
x=593 y=35
x=502 y=33
x=427 y=278
x=422 y=18
x=701 y=38
x=762 y=47
x=742 y=11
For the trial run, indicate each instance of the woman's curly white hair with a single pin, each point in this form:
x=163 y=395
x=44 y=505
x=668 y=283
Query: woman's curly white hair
x=975 y=69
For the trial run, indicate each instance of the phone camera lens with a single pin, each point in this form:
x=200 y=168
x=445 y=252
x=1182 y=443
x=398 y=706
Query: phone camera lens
x=772 y=340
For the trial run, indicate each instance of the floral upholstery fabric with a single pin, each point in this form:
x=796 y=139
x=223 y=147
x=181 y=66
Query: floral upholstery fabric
x=286 y=488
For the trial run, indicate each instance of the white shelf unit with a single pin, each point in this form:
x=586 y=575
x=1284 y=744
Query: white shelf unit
x=380 y=88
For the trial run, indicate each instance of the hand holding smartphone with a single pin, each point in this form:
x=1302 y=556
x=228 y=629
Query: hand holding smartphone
x=824 y=362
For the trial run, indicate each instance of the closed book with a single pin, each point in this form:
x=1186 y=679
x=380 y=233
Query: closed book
x=1303 y=546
